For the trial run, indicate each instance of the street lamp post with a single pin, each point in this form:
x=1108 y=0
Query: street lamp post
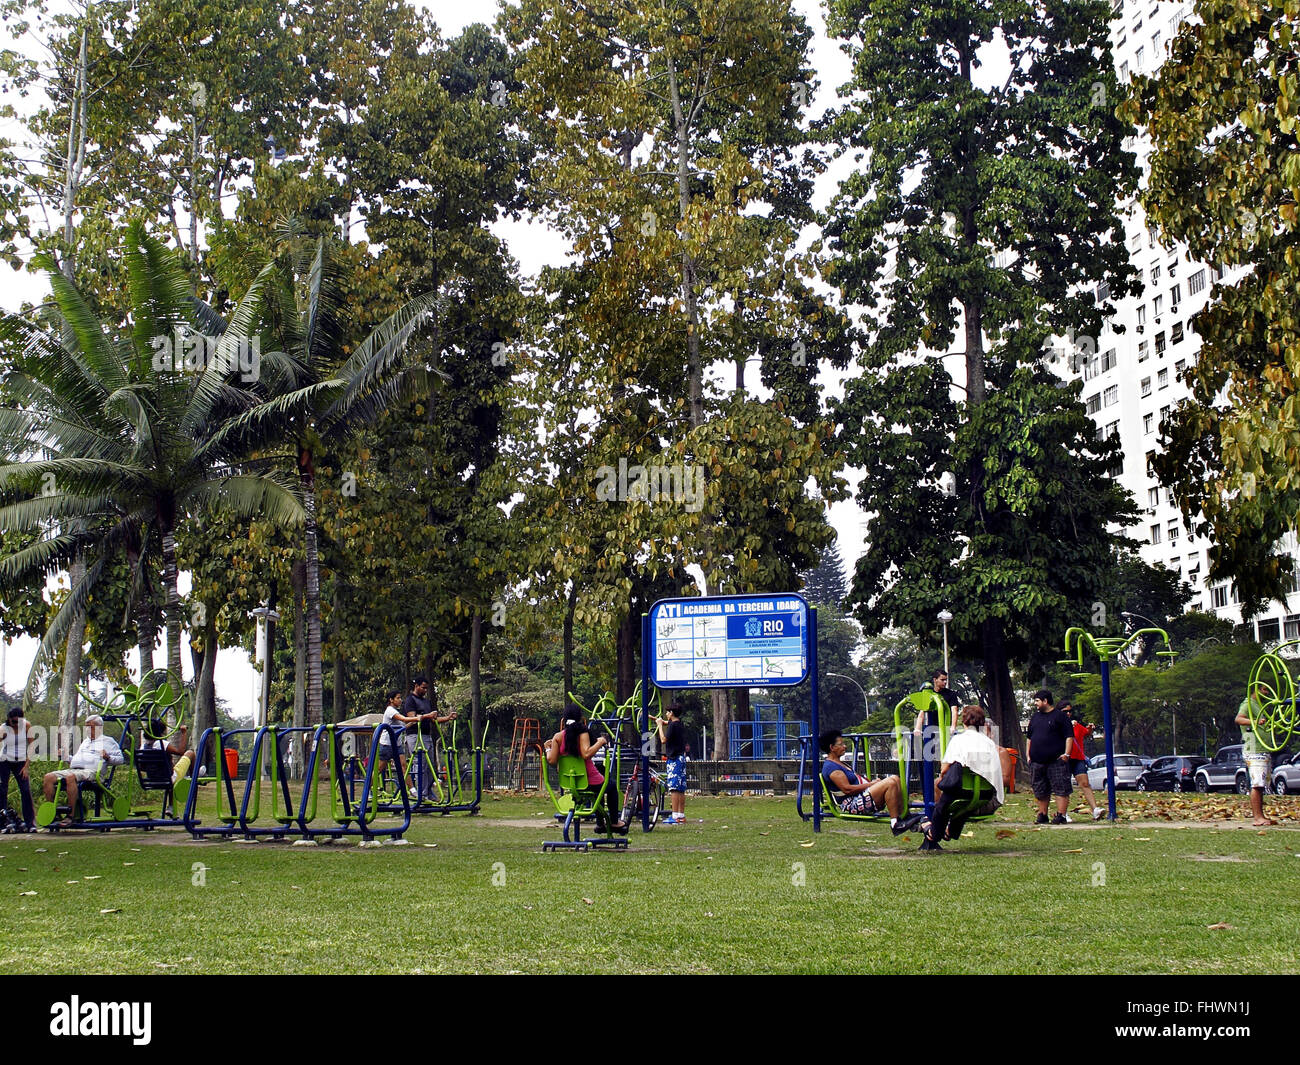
x=865 y=701
x=945 y=616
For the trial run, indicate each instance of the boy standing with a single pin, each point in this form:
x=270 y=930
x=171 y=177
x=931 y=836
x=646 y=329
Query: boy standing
x=672 y=735
x=1258 y=761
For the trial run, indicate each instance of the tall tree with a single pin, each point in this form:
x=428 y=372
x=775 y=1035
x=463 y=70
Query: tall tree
x=670 y=158
x=1225 y=180
x=995 y=211
x=126 y=441
x=826 y=582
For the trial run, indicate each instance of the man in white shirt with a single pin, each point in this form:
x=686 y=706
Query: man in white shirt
x=95 y=751
x=968 y=749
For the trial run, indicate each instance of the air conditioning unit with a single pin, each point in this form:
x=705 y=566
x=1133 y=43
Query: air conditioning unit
x=1157 y=321
x=1151 y=510
x=1142 y=329
x=1173 y=309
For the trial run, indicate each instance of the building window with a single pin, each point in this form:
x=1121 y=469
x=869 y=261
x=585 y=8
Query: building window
x=1175 y=296
x=1196 y=282
x=1270 y=631
x=1108 y=360
x=1291 y=627
x=1147 y=419
x=1146 y=386
x=1135 y=241
x=1155 y=275
x=1103 y=292
x=1172 y=532
x=1176 y=333
x=1142 y=314
x=1162 y=378
x=1219 y=596
x=1123 y=72
x=1160 y=346
x=1155 y=534
x=1142 y=351
x=1157 y=303
x=1110 y=397
x=1153 y=494
x=1216 y=271
x=1094 y=403
x=1151 y=230
x=1164 y=415
x=1151 y=459
x=1179 y=367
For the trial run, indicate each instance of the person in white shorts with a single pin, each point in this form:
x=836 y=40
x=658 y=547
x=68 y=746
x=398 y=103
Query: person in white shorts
x=95 y=750
x=1258 y=761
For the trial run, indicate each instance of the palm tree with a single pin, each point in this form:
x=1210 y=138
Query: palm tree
x=122 y=446
x=318 y=397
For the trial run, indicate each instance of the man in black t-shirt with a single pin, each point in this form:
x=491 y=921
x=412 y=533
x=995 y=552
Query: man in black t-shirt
x=1050 y=735
x=418 y=704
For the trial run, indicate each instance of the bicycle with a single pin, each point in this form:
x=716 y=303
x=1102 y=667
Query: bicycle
x=632 y=798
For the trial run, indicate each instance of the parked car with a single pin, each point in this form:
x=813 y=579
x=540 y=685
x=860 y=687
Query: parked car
x=1226 y=771
x=1174 y=772
x=1128 y=767
x=1286 y=776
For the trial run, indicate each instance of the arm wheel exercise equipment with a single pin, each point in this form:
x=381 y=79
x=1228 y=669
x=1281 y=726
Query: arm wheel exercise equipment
x=1275 y=716
x=452 y=794
x=133 y=709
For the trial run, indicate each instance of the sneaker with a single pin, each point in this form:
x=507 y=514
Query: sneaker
x=906 y=824
x=672 y=819
x=1098 y=813
x=1060 y=819
x=1041 y=819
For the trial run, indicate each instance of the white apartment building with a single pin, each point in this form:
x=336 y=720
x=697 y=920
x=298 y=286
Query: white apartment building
x=1134 y=378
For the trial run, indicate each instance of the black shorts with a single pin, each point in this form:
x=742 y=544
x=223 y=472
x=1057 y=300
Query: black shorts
x=1078 y=766
x=1053 y=777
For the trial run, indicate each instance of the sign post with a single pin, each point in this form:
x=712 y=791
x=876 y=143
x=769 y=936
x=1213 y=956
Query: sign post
x=734 y=641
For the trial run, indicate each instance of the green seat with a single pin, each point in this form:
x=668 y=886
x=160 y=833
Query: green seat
x=828 y=797
x=576 y=802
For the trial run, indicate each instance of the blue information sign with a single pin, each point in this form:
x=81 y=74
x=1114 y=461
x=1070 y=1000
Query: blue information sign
x=734 y=641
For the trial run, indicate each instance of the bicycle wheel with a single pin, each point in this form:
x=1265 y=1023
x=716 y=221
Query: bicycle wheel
x=657 y=796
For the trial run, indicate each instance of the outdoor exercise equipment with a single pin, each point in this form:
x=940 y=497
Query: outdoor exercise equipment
x=451 y=793
x=577 y=800
x=975 y=790
x=132 y=710
x=1272 y=688
x=240 y=816
x=1106 y=649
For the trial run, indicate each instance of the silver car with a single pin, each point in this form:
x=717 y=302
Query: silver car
x=1286 y=776
x=1128 y=767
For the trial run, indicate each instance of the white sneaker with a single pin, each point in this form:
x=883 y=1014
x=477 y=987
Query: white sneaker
x=1098 y=813
x=1068 y=819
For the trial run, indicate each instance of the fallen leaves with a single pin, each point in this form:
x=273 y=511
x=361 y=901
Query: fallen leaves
x=1004 y=833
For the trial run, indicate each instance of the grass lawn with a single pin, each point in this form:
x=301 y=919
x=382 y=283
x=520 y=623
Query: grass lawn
x=748 y=890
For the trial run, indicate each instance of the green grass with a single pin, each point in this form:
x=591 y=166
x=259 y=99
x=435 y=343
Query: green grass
x=714 y=897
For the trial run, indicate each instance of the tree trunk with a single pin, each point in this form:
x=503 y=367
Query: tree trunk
x=475 y=689
x=340 y=695
x=315 y=692
x=997 y=678
x=172 y=609
x=205 y=689
x=721 y=721
x=68 y=702
x=571 y=605
x=694 y=365
x=629 y=640
x=298 y=585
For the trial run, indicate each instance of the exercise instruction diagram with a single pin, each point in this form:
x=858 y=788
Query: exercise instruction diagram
x=730 y=641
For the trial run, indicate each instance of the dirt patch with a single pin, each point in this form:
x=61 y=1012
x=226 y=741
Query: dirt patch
x=520 y=822
x=1218 y=858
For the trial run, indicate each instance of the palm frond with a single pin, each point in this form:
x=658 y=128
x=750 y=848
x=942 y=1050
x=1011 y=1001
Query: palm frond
x=92 y=348
x=250 y=497
x=162 y=298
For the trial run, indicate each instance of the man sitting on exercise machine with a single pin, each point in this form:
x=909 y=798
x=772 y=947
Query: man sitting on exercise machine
x=968 y=749
x=863 y=797
x=95 y=750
